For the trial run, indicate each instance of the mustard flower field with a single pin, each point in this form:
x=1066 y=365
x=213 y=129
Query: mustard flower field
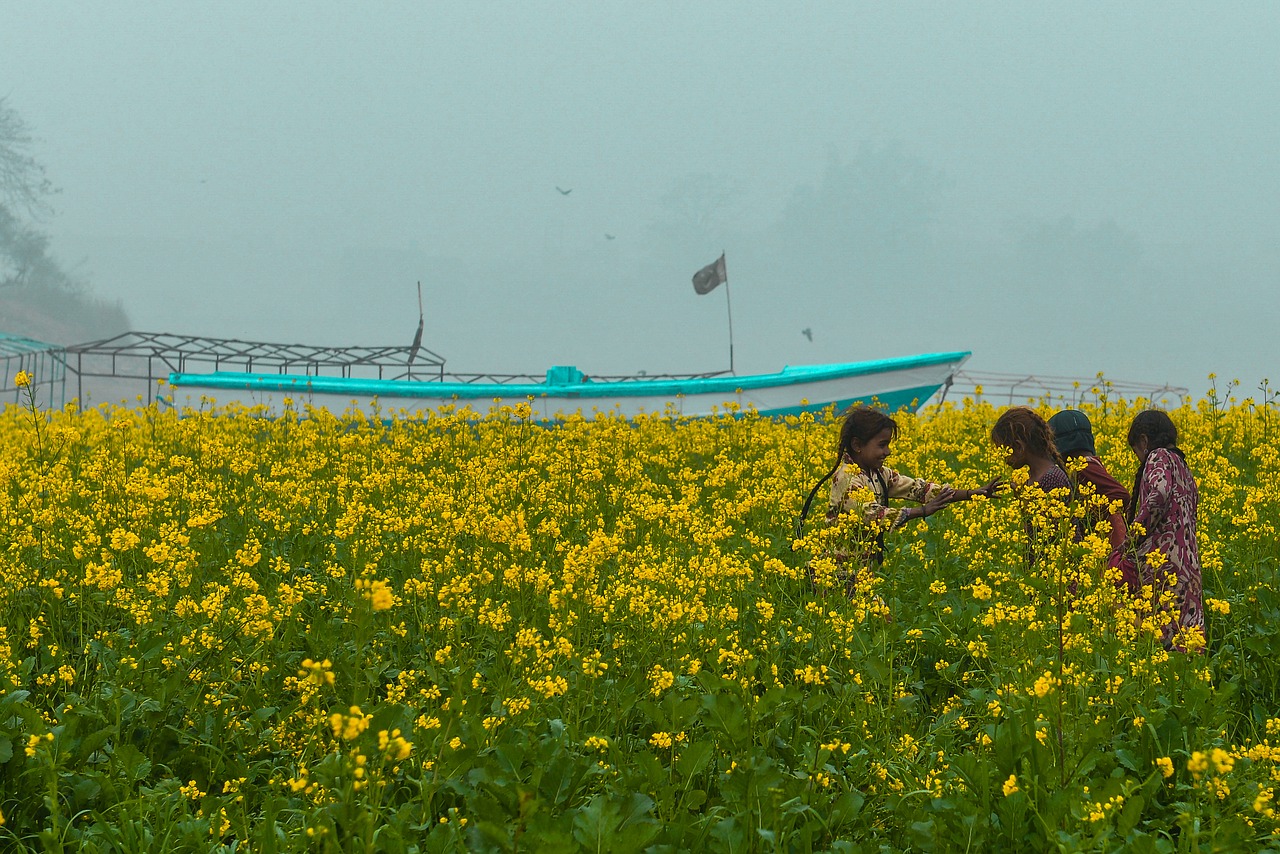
x=226 y=632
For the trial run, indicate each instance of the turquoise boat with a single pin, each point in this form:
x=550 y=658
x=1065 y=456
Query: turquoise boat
x=895 y=384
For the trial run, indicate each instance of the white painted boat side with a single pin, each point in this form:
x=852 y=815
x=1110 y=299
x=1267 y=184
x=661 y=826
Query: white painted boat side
x=889 y=386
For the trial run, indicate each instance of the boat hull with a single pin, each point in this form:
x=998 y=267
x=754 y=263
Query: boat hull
x=895 y=384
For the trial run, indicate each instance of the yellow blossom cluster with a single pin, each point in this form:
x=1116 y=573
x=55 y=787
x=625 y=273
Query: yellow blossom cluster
x=349 y=726
x=374 y=608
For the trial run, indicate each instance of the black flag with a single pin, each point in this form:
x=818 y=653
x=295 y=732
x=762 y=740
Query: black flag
x=710 y=277
x=417 y=343
x=417 y=336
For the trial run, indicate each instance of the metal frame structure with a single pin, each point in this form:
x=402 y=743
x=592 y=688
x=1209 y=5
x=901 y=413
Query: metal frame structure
x=150 y=356
x=1009 y=389
x=45 y=362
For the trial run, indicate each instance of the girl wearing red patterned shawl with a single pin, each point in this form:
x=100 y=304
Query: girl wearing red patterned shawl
x=1162 y=519
x=1073 y=434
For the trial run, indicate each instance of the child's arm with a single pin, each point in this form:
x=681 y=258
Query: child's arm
x=985 y=491
x=928 y=508
x=931 y=497
x=1119 y=530
x=852 y=492
x=1096 y=473
x=923 y=491
x=911 y=488
x=1107 y=486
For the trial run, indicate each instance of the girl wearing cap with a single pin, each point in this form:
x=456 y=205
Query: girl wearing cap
x=1073 y=434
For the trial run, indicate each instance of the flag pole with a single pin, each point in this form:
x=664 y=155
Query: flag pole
x=728 y=307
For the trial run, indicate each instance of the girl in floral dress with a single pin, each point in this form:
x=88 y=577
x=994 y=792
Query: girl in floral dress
x=866 y=438
x=1162 y=528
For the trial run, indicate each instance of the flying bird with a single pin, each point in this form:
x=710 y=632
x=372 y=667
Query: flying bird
x=608 y=237
x=807 y=333
x=564 y=192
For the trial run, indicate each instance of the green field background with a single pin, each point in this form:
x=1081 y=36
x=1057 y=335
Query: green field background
x=223 y=632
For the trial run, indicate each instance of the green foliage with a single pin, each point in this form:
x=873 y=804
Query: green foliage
x=312 y=633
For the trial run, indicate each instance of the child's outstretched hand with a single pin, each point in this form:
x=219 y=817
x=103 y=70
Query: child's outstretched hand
x=992 y=488
x=943 y=497
x=954 y=495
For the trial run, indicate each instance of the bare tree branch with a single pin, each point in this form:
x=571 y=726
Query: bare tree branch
x=24 y=186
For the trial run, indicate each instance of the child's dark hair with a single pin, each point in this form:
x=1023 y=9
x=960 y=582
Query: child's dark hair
x=1024 y=425
x=1157 y=426
x=861 y=423
x=1160 y=431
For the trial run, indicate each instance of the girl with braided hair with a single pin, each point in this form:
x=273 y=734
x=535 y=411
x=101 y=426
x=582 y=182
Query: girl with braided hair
x=866 y=438
x=1162 y=528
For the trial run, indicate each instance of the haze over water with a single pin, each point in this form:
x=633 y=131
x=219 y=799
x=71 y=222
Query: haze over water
x=1061 y=191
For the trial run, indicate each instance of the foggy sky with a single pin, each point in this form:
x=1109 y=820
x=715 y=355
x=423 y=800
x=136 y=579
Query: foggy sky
x=1064 y=190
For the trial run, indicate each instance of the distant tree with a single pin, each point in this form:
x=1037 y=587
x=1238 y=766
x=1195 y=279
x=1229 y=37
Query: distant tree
x=1061 y=252
x=39 y=297
x=25 y=261
x=24 y=186
x=877 y=205
x=698 y=211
